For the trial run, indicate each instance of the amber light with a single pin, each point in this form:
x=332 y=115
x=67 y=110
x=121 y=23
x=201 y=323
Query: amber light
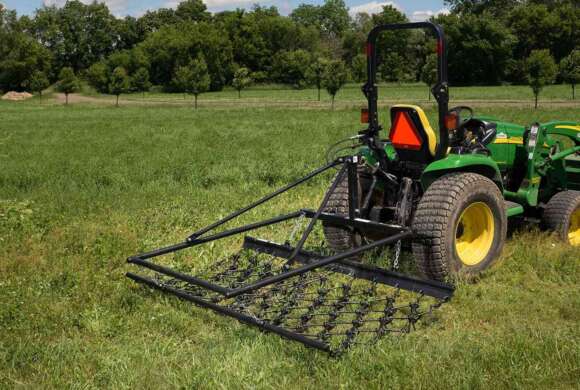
x=364 y=115
x=451 y=121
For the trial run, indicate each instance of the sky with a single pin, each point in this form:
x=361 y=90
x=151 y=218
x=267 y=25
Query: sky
x=416 y=10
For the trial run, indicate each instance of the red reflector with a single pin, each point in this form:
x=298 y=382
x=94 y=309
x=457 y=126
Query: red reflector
x=403 y=133
x=369 y=49
x=439 y=47
x=364 y=115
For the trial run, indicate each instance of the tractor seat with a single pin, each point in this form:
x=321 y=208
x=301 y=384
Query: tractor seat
x=411 y=134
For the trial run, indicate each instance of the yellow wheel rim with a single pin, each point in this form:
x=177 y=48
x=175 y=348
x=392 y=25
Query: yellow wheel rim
x=574 y=230
x=474 y=233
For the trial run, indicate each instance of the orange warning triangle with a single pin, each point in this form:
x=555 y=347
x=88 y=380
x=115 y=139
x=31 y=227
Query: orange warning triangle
x=404 y=135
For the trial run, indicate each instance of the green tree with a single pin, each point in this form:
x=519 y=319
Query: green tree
x=290 y=67
x=67 y=82
x=570 y=70
x=193 y=79
x=541 y=70
x=429 y=72
x=181 y=79
x=77 y=34
x=38 y=82
x=192 y=10
x=359 y=68
x=315 y=72
x=119 y=83
x=479 y=48
x=241 y=80
x=98 y=77
x=140 y=81
x=334 y=78
x=175 y=45
x=200 y=80
x=20 y=54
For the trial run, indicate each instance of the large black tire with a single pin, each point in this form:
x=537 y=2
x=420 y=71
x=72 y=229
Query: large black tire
x=340 y=239
x=562 y=215
x=461 y=226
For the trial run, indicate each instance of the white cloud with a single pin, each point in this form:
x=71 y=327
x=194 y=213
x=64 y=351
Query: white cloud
x=374 y=7
x=116 y=6
x=420 y=16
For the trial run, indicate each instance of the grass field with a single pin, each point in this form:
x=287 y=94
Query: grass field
x=82 y=187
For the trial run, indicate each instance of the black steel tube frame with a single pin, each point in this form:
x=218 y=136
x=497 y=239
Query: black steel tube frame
x=431 y=288
x=440 y=90
x=263 y=200
x=229 y=312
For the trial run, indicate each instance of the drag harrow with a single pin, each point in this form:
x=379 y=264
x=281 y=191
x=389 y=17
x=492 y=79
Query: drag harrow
x=325 y=301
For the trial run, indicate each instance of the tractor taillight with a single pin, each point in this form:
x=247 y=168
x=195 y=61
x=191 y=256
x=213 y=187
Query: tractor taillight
x=451 y=121
x=364 y=115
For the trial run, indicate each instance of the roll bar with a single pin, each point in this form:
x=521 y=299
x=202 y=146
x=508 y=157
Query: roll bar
x=440 y=90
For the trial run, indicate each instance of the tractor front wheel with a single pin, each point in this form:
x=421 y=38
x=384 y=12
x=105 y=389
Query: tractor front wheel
x=562 y=215
x=461 y=226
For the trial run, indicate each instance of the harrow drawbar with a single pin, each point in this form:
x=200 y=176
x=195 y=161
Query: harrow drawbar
x=325 y=301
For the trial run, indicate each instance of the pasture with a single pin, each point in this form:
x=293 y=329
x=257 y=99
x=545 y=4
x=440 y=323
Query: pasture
x=84 y=186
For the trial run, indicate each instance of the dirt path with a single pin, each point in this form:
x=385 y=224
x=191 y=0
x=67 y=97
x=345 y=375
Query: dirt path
x=75 y=98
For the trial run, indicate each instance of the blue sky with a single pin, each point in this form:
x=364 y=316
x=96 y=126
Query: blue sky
x=415 y=9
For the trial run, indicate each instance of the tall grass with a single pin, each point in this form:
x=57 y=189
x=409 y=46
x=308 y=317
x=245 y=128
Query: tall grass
x=83 y=187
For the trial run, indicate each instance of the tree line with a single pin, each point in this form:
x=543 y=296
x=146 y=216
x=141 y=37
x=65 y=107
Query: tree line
x=190 y=50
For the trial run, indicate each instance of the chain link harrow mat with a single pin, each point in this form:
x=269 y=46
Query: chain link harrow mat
x=332 y=308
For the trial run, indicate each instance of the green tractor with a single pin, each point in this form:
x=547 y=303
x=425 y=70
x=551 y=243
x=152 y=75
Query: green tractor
x=458 y=190
x=447 y=197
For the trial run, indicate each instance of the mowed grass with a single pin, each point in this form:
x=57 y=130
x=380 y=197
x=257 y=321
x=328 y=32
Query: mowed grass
x=83 y=187
x=351 y=95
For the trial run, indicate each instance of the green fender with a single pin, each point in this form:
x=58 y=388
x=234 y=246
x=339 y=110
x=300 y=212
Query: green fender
x=475 y=163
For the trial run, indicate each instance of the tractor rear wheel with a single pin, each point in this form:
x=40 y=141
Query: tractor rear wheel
x=461 y=226
x=562 y=215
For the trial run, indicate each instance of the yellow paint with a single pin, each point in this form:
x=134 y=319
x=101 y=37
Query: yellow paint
x=432 y=139
x=574 y=229
x=474 y=233
x=512 y=140
x=575 y=128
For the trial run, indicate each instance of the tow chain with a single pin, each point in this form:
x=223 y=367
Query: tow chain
x=397 y=255
x=297 y=226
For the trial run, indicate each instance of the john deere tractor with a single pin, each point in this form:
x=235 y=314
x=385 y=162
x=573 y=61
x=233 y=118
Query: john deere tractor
x=447 y=195
x=458 y=188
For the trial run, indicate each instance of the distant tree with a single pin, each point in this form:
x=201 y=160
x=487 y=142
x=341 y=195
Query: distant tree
x=541 y=70
x=241 y=80
x=290 y=67
x=570 y=70
x=140 y=81
x=98 y=77
x=78 y=34
x=200 y=81
x=193 y=79
x=192 y=10
x=38 y=82
x=429 y=72
x=119 y=83
x=315 y=72
x=484 y=57
x=359 y=68
x=181 y=79
x=334 y=78
x=67 y=82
